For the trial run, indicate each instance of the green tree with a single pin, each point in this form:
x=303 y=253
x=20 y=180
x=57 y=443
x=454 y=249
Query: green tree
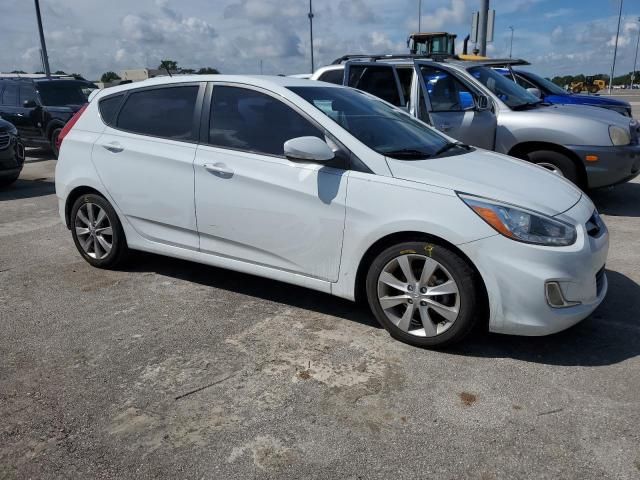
x=208 y=71
x=18 y=71
x=168 y=65
x=59 y=72
x=187 y=70
x=38 y=72
x=109 y=77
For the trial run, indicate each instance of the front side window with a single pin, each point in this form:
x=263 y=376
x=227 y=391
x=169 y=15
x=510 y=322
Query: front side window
x=446 y=92
x=387 y=130
x=60 y=93
x=248 y=120
x=512 y=94
x=378 y=80
x=10 y=96
x=166 y=112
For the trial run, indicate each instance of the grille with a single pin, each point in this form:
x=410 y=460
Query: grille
x=4 y=140
x=599 y=280
x=594 y=225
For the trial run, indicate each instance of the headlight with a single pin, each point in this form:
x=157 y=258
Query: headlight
x=522 y=225
x=619 y=136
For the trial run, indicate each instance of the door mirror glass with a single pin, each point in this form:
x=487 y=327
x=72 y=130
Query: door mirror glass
x=308 y=149
x=29 y=103
x=535 y=91
x=482 y=103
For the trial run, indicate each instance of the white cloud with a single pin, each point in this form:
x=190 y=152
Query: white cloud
x=453 y=14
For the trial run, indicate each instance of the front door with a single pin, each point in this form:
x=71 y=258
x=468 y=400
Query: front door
x=254 y=205
x=450 y=105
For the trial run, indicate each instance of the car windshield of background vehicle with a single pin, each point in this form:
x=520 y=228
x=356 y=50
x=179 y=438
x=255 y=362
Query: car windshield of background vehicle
x=512 y=94
x=59 y=94
x=379 y=126
x=545 y=84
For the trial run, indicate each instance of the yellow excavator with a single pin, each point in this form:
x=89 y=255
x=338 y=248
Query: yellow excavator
x=590 y=84
x=438 y=43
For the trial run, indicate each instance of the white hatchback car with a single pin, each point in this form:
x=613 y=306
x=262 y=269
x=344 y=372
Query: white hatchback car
x=333 y=189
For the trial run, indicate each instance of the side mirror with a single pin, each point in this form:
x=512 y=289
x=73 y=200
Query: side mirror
x=482 y=103
x=535 y=91
x=307 y=149
x=29 y=103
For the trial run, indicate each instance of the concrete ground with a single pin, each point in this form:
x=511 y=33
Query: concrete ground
x=170 y=369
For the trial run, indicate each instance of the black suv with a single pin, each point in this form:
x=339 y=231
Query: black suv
x=40 y=107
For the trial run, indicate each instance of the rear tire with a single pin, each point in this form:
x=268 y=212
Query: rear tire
x=5 y=182
x=557 y=163
x=97 y=232
x=54 y=138
x=424 y=294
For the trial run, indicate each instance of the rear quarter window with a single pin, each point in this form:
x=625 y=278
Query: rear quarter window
x=109 y=108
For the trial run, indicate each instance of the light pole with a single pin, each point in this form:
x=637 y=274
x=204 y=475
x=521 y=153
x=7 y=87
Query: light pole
x=635 y=60
x=615 y=49
x=511 y=43
x=311 y=32
x=419 y=15
x=483 y=15
x=43 y=46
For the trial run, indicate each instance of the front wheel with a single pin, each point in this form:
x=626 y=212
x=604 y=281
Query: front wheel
x=424 y=294
x=54 y=140
x=557 y=163
x=97 y=232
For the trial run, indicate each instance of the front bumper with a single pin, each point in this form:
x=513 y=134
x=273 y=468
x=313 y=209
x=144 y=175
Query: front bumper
x=11 y=158
x=515 y=274
x=614 y=165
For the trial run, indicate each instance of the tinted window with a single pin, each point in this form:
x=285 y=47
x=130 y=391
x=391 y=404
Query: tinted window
x=109 y=107
x=524 y=83
x=376 y=80
x=10 y=95
x=405 y=75
x=385 y=129
x=250 y=120
x=59 y=93
x=161 y=112
x=446 y=93
x=332 y=76
x=512 y=94
x=27 y=92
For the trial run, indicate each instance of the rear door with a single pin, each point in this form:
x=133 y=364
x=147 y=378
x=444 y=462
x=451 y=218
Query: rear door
x=145 y=158
x=32 y=115
x=378 y=79
x=450 y=104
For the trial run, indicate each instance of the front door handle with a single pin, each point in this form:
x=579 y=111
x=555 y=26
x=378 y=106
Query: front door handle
x=219 y=169
x=114 y=147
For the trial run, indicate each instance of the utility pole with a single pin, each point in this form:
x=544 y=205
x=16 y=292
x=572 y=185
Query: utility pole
x=635 y=60
x=615 y=49
x=419 y=15
x=511 y=44
x=260 y=67
x=311 y=32
x=483 y=17
x=43 y=46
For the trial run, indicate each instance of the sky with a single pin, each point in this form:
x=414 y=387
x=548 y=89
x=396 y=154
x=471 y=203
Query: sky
x=91 y=37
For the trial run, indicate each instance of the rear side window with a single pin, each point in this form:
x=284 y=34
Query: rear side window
x=161 y=112
x=27 y=93
x=10 y=96
x=248 y=120
x=376 y=80
x=332 y=76
x=109 y=108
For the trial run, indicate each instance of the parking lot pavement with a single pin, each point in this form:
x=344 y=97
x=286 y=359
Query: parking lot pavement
x=170 y=369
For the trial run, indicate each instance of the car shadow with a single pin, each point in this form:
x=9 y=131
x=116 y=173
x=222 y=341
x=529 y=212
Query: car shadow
x=611 y=335
x=27 y=188
x=619 y=201
x=35 y=155
x=258 y=287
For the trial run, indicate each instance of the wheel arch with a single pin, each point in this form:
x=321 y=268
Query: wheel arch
x=521 y=150
x=412 y=236
x=73 y=196
x=53 y=124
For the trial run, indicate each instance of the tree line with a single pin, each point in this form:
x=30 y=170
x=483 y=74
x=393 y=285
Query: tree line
x=167 y=65
x=619 y=80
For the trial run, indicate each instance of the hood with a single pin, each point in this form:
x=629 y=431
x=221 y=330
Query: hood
x=492 y=175
x=593 y=100
x=6 y=126
x=604 y=115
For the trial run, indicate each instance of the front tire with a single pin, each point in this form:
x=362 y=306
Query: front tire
x=6 y=181
x=424 y=294
x=557 y=163
x=97 y=232
x=54 y=138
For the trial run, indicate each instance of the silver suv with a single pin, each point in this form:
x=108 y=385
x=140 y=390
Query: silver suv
x=474 y=104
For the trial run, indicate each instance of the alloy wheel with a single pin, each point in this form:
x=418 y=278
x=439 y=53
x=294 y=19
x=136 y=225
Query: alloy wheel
x=94 y=231
x=418 y=295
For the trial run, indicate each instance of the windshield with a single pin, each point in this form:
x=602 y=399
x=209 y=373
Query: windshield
x=545 y=85
x=379 y=126
x=62 y=93
x=512 y=94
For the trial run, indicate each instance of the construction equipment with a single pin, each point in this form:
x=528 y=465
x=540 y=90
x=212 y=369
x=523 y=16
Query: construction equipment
x=438 y=44
x=590 y=84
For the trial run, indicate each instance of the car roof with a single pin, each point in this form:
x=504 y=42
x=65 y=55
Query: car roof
x=269 y=82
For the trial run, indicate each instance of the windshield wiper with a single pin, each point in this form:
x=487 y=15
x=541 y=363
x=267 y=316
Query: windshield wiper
x=449 y=146
x=407 y=153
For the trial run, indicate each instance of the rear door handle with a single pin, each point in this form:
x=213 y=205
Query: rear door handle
x=219 y=169
x=114 y=147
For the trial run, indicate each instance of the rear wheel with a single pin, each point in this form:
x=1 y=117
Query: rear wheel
x=97 y=232
x=424 y=294
x=54 y=139
x=557 y=163
x=6 y=181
